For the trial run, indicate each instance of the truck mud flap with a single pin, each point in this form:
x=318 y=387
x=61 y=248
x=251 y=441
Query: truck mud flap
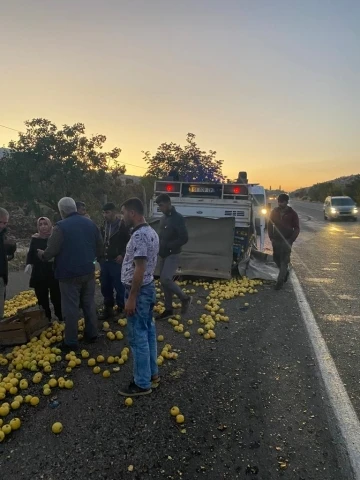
x=209 y=251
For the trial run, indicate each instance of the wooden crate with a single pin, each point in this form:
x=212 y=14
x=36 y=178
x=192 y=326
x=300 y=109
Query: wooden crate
x=22 y=327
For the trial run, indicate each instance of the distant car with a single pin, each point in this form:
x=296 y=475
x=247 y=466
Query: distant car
x=340 y=207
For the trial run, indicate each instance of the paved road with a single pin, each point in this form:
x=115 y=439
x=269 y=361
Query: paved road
x=271 y=365
x=326 y=259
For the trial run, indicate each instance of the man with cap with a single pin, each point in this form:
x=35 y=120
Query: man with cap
x=283 y=230
x=115 y=236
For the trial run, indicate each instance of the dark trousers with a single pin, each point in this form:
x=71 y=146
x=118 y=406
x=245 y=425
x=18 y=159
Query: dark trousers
x=42 y=290
x=78 y=291
x=110 y=280
x=281 y=255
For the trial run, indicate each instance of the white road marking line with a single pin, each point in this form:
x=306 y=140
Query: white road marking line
x=344 y=419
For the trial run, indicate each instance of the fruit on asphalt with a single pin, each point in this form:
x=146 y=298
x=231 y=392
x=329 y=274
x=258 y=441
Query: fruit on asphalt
x=4 y=410
x=96 y=369
x=160 y=338
x=15 y=405
x=34 y=401
x=180 y=418
x=69 y=384
x=129 y=401
x=106 y=374
x=6 y=429
x=57 y=427
x=23 y=384
x=15 y=423
x=174 y=411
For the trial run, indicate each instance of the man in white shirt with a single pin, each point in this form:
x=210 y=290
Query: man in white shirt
x=137 y=275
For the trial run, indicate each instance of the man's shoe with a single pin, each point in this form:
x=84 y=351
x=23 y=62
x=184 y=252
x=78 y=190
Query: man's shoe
x=107 y=313
x=287 y=276
x=155 y=382
x=134 y=391
x=185 y=305
x=90 y=340
x=68 y=348
x=165 y=315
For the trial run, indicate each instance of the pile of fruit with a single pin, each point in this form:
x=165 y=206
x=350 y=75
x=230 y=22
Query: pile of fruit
x=19 y=303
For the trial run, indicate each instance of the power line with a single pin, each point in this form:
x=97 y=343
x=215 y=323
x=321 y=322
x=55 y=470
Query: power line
x=9 y=128
x=123 y=163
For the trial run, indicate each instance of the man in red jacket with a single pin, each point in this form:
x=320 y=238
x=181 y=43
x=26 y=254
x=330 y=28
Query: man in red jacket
x=283 y=231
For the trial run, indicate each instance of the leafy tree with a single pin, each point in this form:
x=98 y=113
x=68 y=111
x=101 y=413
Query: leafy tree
x=189 y=162
x=48 y=163
x=353 y=189
x=320 y=191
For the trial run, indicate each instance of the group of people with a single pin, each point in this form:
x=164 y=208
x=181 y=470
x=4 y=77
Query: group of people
x=62 y=261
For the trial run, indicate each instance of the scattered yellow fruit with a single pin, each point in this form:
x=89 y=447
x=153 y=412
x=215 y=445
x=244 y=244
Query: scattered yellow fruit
x=15 y=405
x=57 y=427
x=175 y=411
x=106 y=374
x=15 y=423
x=129 y=402
x=34 y=401
x=180 y=418
x=6 y=429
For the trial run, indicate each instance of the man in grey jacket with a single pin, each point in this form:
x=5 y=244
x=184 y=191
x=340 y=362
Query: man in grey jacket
x=172 y=235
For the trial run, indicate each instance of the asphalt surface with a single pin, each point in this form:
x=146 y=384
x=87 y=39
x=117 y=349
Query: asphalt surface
x=250 y=398
x=326 y=259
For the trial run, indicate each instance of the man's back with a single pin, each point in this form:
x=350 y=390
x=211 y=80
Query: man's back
x=79 y=247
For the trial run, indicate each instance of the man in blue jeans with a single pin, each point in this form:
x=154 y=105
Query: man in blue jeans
x=115 y=236
x=137 y=275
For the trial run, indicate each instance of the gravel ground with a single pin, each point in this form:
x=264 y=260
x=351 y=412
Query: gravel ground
x=250 y=399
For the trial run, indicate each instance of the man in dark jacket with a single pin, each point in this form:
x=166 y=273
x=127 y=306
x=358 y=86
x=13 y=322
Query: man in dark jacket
x=75 y=244
x=7 y=250
x=283 y=230
x=115 y=235
x=172 y=235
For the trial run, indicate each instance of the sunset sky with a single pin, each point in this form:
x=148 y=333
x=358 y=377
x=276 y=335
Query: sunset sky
x=272 y=85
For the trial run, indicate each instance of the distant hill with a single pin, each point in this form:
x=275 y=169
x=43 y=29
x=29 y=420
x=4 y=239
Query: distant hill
x=348 y=185
x=341 y=181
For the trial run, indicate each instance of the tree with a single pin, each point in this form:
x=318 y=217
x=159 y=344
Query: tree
x=320 y=191
x=353 y=189
x=189 y=162
x=48 y=163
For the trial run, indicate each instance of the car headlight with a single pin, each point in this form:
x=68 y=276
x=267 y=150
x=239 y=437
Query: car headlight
x=264 y=211
x=333 y=210
x=355 y=210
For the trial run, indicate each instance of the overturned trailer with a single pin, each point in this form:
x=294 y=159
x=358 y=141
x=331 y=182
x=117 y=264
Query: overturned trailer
x=220 y=223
